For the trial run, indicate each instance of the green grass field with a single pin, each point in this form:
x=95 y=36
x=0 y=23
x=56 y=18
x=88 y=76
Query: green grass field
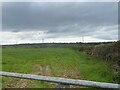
x=58 y=62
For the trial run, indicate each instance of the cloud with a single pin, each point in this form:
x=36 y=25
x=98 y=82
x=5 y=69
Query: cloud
x=62 y=19
x=35 y=37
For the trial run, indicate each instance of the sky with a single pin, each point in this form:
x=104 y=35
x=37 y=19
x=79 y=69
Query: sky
x=31 y=22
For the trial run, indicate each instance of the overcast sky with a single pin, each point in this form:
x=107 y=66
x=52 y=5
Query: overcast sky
x=29 y=22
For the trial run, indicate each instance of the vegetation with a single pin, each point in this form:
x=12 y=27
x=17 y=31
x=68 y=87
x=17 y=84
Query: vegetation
x=110 y=53
x=58 y=62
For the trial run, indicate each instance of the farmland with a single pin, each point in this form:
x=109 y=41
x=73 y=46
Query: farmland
x=58 y=62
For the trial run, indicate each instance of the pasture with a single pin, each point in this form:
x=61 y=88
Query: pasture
x=58 y=62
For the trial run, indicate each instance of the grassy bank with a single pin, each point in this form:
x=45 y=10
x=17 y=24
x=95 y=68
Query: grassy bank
x=58 y=62
x=110 y=53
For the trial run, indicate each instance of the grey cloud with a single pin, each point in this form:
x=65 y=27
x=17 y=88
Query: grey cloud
x=59 y=19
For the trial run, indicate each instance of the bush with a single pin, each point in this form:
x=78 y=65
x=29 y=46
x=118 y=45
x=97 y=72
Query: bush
x=109 y=52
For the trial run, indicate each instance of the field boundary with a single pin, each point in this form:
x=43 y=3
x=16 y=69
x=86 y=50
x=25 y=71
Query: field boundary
x=64 y=81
